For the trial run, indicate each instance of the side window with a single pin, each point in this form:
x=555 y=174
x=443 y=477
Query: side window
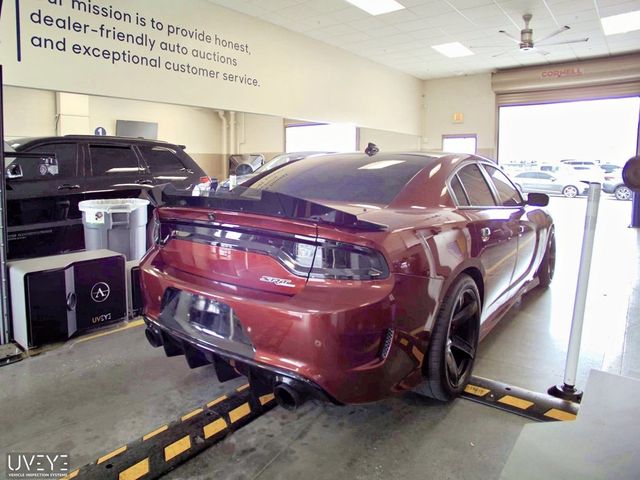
x=458 y=192
x=509 y=196
x=113 y=160
x=161 y=159
x=476 y=187
x=64 y=165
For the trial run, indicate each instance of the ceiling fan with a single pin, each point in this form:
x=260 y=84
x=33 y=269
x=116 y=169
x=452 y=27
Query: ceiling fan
x=526 y=42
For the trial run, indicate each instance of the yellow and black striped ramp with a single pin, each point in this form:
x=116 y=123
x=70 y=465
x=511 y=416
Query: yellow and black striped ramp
x=166 y=447
x=533 y=405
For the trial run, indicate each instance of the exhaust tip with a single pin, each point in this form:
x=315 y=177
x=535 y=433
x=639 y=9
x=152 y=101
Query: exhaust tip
x=154 y=339
x=288 y=397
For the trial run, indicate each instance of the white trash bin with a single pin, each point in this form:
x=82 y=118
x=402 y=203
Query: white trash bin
x=118 y=224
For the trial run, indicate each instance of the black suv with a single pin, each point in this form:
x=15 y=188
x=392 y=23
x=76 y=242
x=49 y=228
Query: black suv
x=43 y=192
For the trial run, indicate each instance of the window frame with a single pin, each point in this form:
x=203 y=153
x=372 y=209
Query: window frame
x=489 y=182
x=495 y=190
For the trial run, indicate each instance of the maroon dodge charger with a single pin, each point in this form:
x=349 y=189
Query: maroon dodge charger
x=345 y=277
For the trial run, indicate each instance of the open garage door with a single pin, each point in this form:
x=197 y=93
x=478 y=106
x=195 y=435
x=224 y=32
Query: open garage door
x=588 y=133
x=561 y=124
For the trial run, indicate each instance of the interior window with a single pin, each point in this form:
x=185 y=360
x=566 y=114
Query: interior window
x=476 y=187
x=64 y=164
x=161 y=159
x=459 y=143
x=113 y=160
x=509 y=196
x=458 y=192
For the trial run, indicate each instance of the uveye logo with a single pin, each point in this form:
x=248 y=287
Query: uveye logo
x=100 y=292
x=37 y=466
x=101 y=318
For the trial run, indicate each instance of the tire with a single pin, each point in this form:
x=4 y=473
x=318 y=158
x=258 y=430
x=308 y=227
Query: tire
x=454 y=342
x=622 y=192
x=570 y=191
x=548 y=265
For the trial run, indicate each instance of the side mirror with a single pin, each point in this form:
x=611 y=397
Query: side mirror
x=631 y=174
x=244 y=169
x=14 y=171
x=537 y=199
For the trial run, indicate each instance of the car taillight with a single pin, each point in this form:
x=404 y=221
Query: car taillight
x=302 y=256
x=344 y=261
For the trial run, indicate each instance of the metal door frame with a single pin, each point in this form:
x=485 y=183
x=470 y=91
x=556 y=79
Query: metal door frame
x=5 y=311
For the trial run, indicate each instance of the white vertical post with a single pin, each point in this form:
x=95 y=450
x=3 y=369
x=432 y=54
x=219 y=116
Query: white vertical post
x=577 y=321
x=568 y=391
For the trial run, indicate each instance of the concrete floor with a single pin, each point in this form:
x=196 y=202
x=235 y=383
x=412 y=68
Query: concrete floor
x=89 y=397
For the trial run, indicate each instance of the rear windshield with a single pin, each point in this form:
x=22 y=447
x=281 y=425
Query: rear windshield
x=345 y=179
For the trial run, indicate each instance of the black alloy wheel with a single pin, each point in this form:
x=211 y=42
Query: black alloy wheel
x=454 y=342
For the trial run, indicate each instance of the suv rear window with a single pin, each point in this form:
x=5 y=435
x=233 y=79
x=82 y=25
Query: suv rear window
x=352 y=180
x=161 y=159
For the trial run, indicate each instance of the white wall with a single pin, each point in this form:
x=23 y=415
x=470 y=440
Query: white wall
x=470 y=95
x=28 y=112
x=389 y=141
x=297 y=77
x=261 y=134
x=197 y=128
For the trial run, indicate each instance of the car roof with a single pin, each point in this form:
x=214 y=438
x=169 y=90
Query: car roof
x=22 y=143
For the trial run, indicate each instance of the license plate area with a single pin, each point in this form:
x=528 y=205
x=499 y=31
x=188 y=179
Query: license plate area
x=210 y=318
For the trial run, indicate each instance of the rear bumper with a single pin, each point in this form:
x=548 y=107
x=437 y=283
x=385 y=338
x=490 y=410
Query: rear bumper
x=341 y=341
x=198 y=354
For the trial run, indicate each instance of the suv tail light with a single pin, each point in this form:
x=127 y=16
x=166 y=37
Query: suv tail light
x=302 y=256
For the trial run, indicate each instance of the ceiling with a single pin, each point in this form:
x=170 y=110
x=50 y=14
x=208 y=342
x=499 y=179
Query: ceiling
x=402 y=40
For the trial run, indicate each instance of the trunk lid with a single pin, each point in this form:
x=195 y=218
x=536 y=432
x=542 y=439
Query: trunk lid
x=252 y=251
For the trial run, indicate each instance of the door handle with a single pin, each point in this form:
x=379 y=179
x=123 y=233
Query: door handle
x=485 y=233
x=144 y=182
x=67 y=186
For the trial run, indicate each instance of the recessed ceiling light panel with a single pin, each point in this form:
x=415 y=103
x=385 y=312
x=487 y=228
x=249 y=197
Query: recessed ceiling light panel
x=623 y=23
x=452 y=50
x=377 y=7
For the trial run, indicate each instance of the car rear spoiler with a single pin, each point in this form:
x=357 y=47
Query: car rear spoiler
x=260 y=202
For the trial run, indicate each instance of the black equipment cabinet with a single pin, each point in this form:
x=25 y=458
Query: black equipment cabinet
x=54 y=297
